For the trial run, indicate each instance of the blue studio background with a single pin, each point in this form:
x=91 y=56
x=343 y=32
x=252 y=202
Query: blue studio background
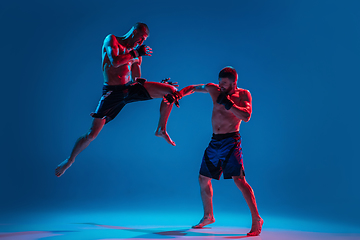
x=299 y=59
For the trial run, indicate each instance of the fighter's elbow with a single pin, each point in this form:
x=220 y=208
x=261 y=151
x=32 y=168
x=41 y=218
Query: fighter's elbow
x=247 y=117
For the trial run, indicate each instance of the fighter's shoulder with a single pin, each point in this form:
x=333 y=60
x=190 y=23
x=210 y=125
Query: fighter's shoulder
x=109 y=38
x=212 y=87
x=244 y=94
x=112 y=40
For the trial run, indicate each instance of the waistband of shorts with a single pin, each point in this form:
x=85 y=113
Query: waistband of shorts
x=225 y=135
x=117 y=87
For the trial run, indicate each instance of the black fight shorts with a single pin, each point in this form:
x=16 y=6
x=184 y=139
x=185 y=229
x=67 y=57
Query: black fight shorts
x=115 y=97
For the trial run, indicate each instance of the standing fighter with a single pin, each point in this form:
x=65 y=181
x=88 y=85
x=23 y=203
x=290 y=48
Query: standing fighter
x=224 y=153
x=121 y=60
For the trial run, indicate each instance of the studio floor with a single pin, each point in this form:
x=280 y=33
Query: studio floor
x=108 y=225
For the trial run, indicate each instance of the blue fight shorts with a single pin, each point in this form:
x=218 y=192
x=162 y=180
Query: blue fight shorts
x=223 y=155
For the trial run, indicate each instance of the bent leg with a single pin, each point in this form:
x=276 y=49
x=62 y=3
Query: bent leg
x=249 y=196
x=165 y=110
x=80 y=145
x=206 y=197
x=159 y=90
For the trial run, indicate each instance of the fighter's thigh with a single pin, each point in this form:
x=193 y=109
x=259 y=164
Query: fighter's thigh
x=158 y=90
x=239 y=179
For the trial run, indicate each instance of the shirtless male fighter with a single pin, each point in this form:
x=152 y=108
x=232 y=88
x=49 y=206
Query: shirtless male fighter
x=224 y=153
x=121 y=60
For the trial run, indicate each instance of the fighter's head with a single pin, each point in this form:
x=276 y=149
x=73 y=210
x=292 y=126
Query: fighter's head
x=137 y=35
x=228 y=79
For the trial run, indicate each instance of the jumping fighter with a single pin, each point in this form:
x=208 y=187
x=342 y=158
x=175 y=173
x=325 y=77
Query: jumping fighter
x=121 y=61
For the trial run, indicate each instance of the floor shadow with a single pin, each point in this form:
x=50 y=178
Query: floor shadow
x=190 y=232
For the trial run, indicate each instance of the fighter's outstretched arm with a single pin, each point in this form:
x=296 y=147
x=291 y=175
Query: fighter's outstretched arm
x=196 y=88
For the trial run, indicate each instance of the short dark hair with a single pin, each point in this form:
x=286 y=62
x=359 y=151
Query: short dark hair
x=142 y=27
x=228 y=72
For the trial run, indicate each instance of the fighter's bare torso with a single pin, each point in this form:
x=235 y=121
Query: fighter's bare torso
x=224 y=121
x=121 y=74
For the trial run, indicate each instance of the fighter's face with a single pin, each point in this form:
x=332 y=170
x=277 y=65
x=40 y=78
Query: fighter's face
x=226 y=84
x=138 y=39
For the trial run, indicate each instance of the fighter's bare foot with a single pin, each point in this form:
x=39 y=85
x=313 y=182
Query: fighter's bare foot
x=61 y=168
x=256 y=228
x=204 y=221
x=165 y=135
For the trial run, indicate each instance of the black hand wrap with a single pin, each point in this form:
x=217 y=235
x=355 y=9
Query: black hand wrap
x=140 y=80
x=223 y=100
x=173 y=97
x=138 y=52
x=166 y=80
x=141 y=50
